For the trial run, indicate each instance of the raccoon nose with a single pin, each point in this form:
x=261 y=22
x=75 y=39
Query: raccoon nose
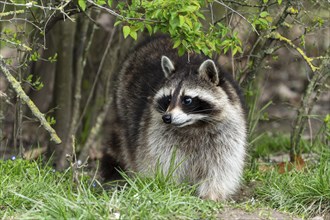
x=167 y=118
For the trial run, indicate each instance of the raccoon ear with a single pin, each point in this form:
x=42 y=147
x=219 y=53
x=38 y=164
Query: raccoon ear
x=167 y=66
x=209 y=71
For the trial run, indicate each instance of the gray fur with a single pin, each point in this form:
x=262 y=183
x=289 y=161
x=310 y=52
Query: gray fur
x=210 y=146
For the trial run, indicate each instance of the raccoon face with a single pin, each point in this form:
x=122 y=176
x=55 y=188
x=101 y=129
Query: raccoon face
x=188 y=98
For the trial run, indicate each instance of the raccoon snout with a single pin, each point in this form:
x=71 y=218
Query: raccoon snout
x=167 y=118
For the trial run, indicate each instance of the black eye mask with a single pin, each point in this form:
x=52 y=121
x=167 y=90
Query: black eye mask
x=196 y=106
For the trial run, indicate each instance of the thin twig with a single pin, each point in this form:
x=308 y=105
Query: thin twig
x=99 y=121
x=239 y=14
x=249 y=5
x=211 y=10
x=306 y=106
x=106 y=9
x=24 y=20
x=118 y=15
x=80 y=66
x=96 y=77
x=29 y=5
x=35 y=111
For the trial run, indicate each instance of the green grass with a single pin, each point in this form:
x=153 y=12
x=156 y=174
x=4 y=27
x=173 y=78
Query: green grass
x=29 y=190
x=269 y=144
x=303 y=192
x=33 y=190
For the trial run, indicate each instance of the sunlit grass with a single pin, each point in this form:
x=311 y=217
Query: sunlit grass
x=34 y=190
x=304 y=191
x=29 y=190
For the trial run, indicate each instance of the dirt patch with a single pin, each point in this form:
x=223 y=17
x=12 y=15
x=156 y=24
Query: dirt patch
x=259 y=214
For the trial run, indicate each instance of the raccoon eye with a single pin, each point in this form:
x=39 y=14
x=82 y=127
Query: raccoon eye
x=187 y=100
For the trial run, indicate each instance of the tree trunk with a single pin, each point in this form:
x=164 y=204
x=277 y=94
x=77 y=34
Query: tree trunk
x=63 y=90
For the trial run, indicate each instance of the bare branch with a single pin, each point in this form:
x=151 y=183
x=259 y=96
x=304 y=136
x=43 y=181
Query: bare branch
x=106 y=9
x=118 y=15
x=24 y=20
x=35 y=111
x=239 y=14
x=279 y=37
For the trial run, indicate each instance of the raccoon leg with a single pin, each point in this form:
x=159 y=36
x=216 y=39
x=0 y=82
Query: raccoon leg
x=110 y=163
x=210 y=191
x=219 y=184
x=109 y=168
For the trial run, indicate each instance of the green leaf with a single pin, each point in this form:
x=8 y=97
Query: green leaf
x=234 y=51
x=264 y=14
x=181 y=51
x=327 y=118
x=225 y=50
x=263 y=21
x=181 y=18
x=177 y=43
x=156 y=13
x=205 y=51
x=269 y=19
x=279 y=2
x=200 y=15
x=35 y=56
x=29 y=78
x=197 y=27
x=82 y=4
x=100 y=2
x=191 y=8
x=139 y=27
x=185 y=43
x=110 y=2
x=149 y=28
x=133 y=34
x=188 y=21
x=211 y=44
x=156 y=28
x=174 y=22
x=126 y=31
x=117 y=23
x=52 y=59
x=51 y=120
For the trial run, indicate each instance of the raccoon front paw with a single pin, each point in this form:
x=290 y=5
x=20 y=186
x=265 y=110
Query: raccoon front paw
x=212 y=196
x=210 y=193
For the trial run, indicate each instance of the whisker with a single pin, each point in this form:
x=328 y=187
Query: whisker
x=209 y=121
x=161 y=108
x=199 y=111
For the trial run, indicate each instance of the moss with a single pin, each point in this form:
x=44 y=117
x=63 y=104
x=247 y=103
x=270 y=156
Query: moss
x=34 y=109
x=278 y=36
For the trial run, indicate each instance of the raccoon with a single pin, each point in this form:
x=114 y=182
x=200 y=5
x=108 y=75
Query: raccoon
x=165 y=103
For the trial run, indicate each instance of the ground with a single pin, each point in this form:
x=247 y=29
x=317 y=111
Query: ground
x=259 y=214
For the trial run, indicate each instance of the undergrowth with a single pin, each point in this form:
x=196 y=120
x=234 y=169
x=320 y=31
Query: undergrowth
x=29 y=190
x=269 y=144
x=303 y=190
x=33 y=190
